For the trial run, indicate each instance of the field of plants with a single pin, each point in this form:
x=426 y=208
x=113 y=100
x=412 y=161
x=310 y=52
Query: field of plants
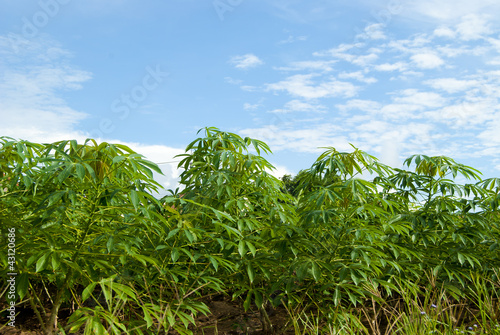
x=332 y=251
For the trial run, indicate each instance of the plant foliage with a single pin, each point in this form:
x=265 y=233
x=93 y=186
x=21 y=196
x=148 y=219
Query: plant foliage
x=92 y=239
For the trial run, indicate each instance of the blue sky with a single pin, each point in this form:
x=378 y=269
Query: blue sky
x=394 y=77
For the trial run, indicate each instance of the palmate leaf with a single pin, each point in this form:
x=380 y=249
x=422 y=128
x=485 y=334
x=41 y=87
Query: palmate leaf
x=232 y=226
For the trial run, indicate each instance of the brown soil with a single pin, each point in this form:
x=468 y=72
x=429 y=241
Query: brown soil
x=227 y=318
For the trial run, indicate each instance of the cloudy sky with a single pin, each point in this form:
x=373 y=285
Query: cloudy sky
x=392 y=77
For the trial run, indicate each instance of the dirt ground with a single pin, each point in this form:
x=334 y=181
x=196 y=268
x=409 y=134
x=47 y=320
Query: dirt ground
x=227 y=318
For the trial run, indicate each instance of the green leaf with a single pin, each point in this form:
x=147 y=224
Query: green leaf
x=258 y=299
x=22 y=284
x=251 y=272
x=161 y=247
x=118 y=159
x=65 y=173
x=145 y=260
x=97 y=326
x=435 y=271
x=336 y=296
x=88 y=291
x=355 y=278
x=28 y=182
x=189 y=235
x=110 y=244
x=248 y=301
x=41 y=264
x=80 y=171
x=316 y=271
x=252 y=249
x=172 y=233
x=56 y=261
x=352 y=298
x=150 y=165
x=90 y=170
x=31 y=260
x=74 y=145
x=241 y=248
x=175 y=254
x=147 y=317
x=55 y=197
x=214 y=262
x=134 y=198
x=122 y=290
x=343 y=273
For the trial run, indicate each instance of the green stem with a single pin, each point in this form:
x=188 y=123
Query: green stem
x=52 y=322
x=37 y=312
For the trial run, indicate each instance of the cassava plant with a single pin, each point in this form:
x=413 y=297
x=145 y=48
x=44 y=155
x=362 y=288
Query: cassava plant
x=82 y=213
x=340 y=245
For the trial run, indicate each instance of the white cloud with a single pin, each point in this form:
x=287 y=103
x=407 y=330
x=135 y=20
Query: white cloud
x=247 y=106
x=400 y=66
x=373 y=31
x=400 y=111
x=427 y=60
x=495 y=43
x=444 y=31
x=451 y=85
x=299 y=140
x=411 y=45
x=358 y=104
x=389 y=152
x=279 y=171
x=365 y=59
x=301 y=106
x=31 y=78
x=440 y=92
x=491 y=135
x=359 y=76
x=458 y=50
x=245 y=61
x=162 y=155
x=450 y=10
x=409 y=104
x=302 y=85
x=32 y=106
x=325 y=66
x=339 y=52
x=424 y=99
x=495 y=61
x=248 y=88
x=473 y=27
x=232 y=81
x=292 y=39
x=466 y=114
x=388 y=138
x=373 y=126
